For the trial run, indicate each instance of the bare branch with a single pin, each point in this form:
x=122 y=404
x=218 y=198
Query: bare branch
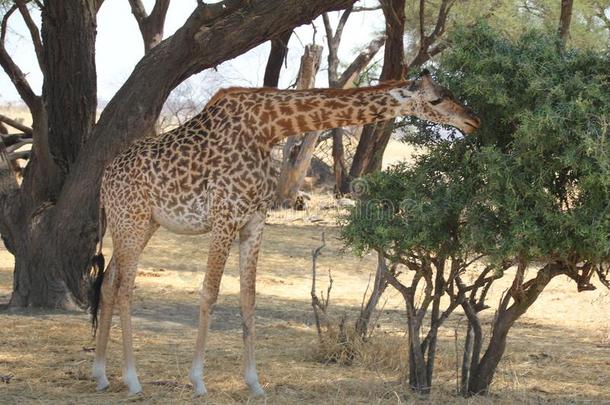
x=34 y=32
x=328 y=28
x=15 y=124
x=315 y=301
x=18 y=79
x=360 y=62
x=361 y=9
x=4 y=23
x=139 y=12
x=12 y=70
x=151 y=26
x=341 y=25
x=13 y=148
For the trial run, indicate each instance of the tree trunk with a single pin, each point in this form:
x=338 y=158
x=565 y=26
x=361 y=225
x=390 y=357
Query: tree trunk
x=50 y=224
x=340 y=169
x=375 y=137
x=481 y=376
x=277 y=55
x=298 y=150
x=565 y=20
x=418 y=379
x=379 y=286
x=61 y=125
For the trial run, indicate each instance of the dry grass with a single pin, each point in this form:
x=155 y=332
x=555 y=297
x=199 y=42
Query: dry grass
x=558 y=353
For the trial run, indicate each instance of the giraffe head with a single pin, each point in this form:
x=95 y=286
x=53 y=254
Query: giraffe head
x=426 y=99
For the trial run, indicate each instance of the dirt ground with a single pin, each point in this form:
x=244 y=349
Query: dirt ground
x=558 y=353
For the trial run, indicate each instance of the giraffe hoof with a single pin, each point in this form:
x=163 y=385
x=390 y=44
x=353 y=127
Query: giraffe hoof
x=199 y=389
x=102 y=385
x=257 y=391
x=134 y=387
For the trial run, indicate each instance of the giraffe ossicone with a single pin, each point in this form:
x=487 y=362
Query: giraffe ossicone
x=214 y=174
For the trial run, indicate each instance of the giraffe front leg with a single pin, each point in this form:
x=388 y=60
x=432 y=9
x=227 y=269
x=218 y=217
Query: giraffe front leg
x=222 y=237
x=249 y=246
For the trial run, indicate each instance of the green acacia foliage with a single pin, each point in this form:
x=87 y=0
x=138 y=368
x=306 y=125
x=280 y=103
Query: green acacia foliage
x=532 y=183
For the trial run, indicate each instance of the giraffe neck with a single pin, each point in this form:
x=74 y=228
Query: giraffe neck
x=282 y=113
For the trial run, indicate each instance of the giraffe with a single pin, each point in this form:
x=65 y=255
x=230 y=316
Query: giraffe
x=214 y=174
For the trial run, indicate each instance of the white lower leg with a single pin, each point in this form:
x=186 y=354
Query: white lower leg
x=130 y=378
x=251 y=378
x=196 y=377
x=98 y=372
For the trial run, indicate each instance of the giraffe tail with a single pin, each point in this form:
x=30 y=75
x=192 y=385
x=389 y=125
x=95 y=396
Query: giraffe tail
x=97 y=276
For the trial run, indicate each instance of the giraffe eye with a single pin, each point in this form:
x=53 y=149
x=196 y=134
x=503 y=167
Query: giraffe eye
x=437 y=101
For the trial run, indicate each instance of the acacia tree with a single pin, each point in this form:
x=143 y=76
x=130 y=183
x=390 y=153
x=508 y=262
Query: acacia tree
x=529 y=191
x=542 y=157
x=50 y=223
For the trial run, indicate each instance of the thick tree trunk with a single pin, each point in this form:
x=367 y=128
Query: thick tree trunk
x=375 y=137
x=51 y=223
x=62 y=123
x=298 y=150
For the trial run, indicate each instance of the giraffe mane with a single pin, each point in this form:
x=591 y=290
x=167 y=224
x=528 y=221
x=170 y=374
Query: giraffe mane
x=226 y=92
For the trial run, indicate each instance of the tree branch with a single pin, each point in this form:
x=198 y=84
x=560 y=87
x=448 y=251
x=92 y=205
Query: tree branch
x=139 y=12
x=341 y=25
x=34 y=32
x=360 y=62
x=277 y=55
x=361 y=9
x=15 y=124
x=18 y=79
x=151 y=26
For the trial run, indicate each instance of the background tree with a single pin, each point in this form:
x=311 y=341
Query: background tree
x=50 y=222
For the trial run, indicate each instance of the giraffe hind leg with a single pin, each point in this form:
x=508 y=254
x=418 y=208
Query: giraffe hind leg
x=127 y=252
x=107 y=297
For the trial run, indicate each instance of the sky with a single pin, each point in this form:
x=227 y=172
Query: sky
x=119 y=47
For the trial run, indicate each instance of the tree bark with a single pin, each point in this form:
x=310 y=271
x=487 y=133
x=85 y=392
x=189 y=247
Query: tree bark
x=375 y=137
x=50 y=225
